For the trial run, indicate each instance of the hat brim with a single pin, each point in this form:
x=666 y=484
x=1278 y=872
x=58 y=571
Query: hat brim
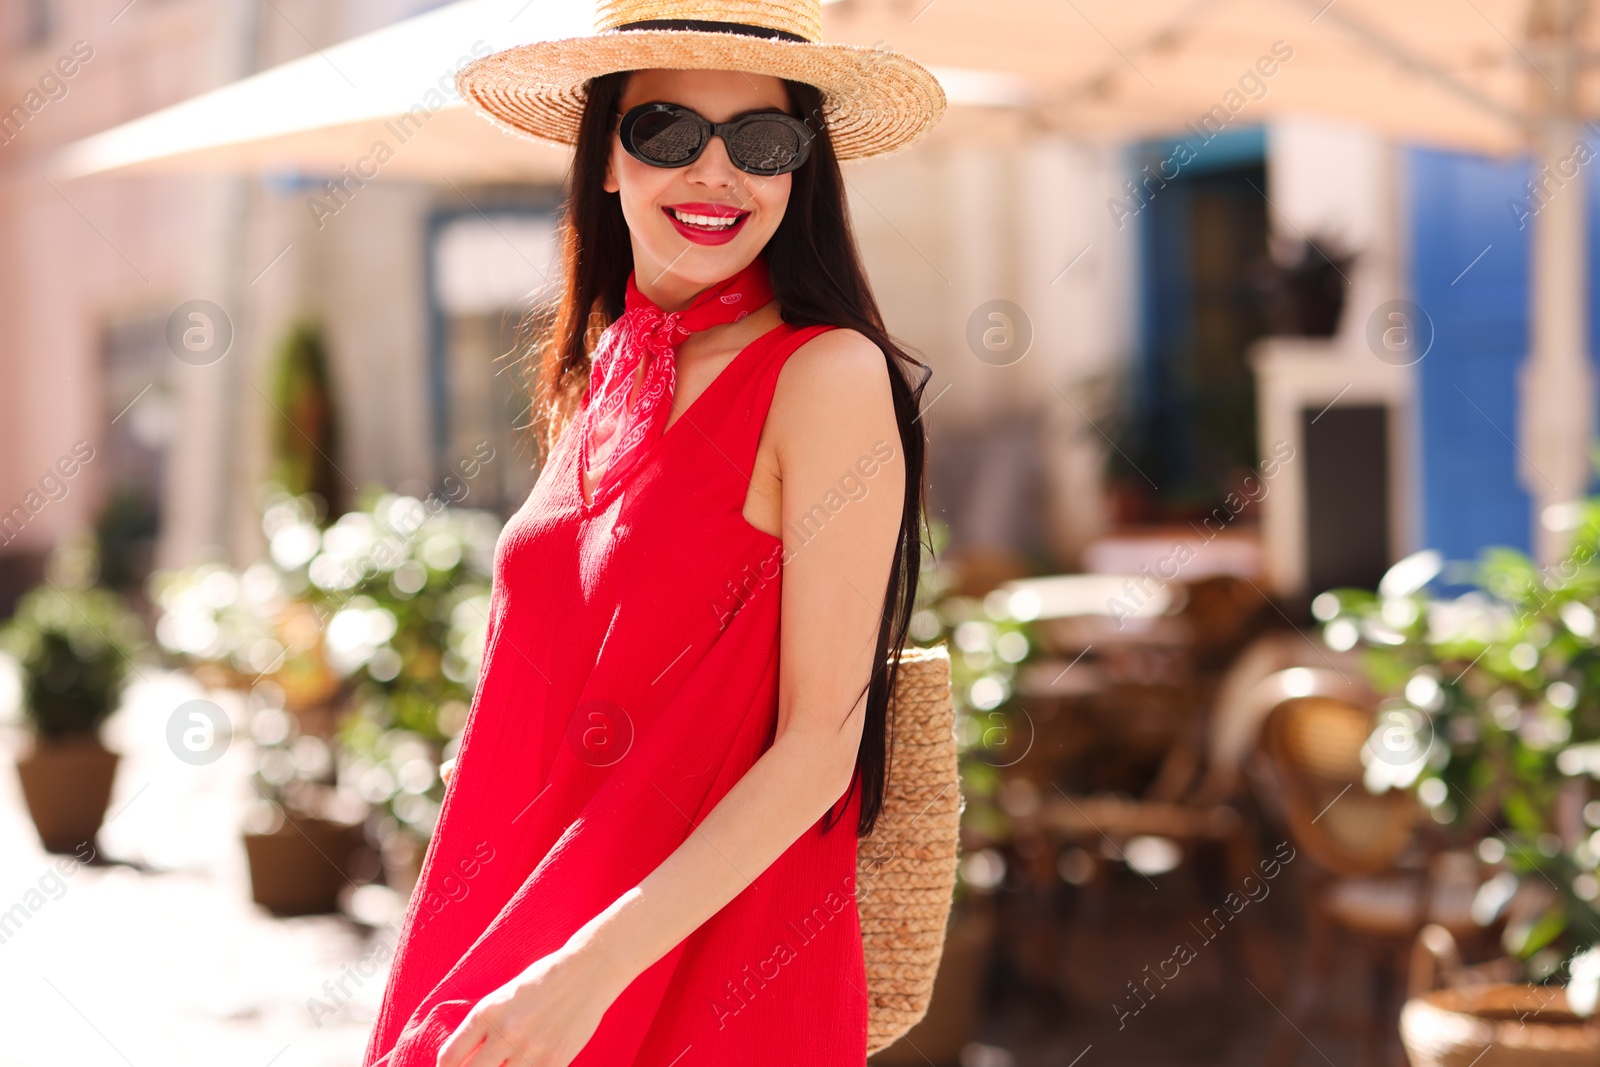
x=875 y=101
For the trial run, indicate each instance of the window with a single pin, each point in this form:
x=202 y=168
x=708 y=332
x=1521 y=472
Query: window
x=138 y=419
x=36 y=22
x=488 y=271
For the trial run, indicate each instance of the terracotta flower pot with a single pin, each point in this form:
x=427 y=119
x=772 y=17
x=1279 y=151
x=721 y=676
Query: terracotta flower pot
x=299 y=868
x=67 y=784
x=1498 y=1026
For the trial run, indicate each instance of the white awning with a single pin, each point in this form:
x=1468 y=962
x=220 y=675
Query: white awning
x=331 y=109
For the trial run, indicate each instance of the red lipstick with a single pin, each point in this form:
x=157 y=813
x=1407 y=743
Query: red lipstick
x=700 y=227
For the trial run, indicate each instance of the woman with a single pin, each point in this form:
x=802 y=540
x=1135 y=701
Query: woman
x=645 y=854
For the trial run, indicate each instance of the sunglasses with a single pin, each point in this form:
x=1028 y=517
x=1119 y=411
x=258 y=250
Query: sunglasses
x=671 y=135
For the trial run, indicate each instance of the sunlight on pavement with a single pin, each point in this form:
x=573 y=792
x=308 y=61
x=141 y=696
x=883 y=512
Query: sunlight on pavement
x=159 y=959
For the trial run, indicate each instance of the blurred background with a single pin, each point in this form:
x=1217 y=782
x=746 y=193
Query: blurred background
x=1262 y=427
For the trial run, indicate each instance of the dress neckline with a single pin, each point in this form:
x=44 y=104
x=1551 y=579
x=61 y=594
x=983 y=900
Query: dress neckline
x=607 y=488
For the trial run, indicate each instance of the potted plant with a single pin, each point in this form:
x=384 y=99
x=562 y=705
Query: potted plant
x=406 y=596
x=303 y=833
x=250 y=631
x=366 y=633
x=234 y=629
x=73 y=645
x=1493 y=718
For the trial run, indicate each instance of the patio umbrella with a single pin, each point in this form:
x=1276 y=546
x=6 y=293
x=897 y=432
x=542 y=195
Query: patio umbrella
x=327 y=113
x=1500 y=76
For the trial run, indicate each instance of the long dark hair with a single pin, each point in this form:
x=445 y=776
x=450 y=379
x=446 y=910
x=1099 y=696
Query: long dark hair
x=818 y=279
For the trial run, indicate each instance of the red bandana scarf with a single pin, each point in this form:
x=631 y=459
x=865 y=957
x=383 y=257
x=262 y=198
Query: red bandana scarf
x=611 y=433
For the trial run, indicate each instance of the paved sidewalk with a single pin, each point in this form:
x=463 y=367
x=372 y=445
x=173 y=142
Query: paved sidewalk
x=162 y=961
x=113 y=965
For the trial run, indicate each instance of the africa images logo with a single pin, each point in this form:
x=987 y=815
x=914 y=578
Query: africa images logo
x=810 y=927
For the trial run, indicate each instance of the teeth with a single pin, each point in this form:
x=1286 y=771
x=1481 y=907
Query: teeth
x=717 y=223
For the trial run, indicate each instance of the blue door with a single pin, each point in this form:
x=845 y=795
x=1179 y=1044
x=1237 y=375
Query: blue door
x=1468 y=230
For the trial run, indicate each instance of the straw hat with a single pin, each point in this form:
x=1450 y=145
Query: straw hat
x=876 y=101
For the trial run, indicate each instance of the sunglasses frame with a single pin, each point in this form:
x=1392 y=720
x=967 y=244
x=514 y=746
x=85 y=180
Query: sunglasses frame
x=709 y=129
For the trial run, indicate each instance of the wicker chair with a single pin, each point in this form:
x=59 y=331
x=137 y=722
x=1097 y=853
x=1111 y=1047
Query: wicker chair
x=1378 y=881
x=1194 y=801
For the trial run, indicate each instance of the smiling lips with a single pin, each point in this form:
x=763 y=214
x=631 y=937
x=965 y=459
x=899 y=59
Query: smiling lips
x=706 y=224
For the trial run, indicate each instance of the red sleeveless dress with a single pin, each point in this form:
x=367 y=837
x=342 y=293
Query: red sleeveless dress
x=630 y=678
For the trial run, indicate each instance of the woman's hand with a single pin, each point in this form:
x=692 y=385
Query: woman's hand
x=541 y=1018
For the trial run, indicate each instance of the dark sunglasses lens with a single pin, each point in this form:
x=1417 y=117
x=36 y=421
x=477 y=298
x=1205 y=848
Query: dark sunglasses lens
x=766 y=146
x=665 y=137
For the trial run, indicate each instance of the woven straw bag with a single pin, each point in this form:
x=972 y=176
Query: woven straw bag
x=906 y=868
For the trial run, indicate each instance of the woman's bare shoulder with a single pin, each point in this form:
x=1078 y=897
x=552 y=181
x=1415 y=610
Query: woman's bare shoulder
x=834 y=385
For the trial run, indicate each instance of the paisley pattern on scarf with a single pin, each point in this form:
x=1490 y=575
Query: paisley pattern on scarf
x=615 y=435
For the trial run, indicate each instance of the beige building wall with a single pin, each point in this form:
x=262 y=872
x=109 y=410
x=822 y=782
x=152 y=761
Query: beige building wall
x=76 y=255
x=966 y=220
x=80 y=256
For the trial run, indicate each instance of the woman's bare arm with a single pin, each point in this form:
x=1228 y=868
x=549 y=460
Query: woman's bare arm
x=843 y=487
x=831 y=408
